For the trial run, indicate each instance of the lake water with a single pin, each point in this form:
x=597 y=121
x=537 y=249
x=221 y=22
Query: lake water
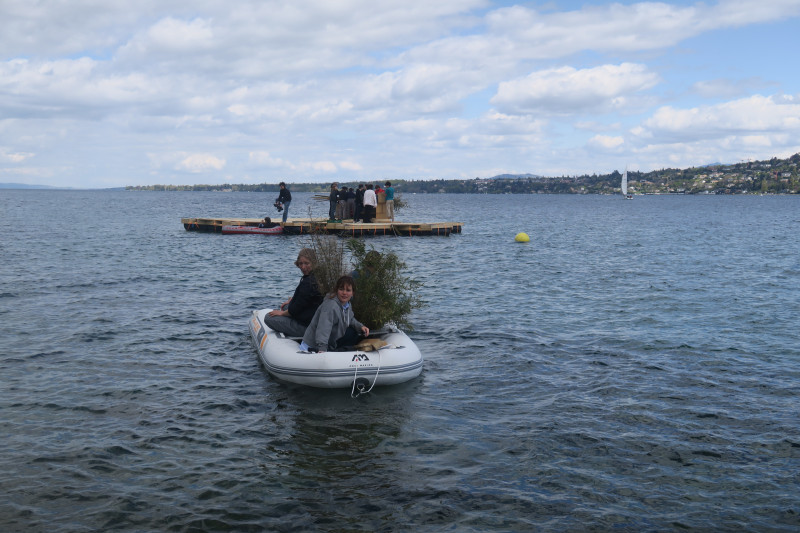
x=635 y=367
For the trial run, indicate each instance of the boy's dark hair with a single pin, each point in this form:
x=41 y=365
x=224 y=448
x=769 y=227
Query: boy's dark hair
x=344 y=281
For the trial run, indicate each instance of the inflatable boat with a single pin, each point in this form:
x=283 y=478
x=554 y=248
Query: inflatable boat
x=398 y=361
x=229 y=230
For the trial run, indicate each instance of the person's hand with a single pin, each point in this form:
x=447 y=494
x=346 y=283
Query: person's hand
x=365 y=330
x=278 y=312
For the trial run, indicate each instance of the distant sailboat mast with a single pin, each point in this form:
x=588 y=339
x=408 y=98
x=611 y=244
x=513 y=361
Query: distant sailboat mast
x=624 y=185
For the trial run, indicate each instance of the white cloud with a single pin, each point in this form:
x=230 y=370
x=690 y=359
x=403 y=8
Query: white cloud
x=323 y=166
x=197 y=163
x=41 y=29
x=617 y=27
x=14 y=157
x=756 y=114
x=757 y=127
x=606 y=142
x=350 y=165
x=569 y=90
x=264 y=159
x=175 y=35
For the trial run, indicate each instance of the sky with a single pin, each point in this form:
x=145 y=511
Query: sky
x=108 y=93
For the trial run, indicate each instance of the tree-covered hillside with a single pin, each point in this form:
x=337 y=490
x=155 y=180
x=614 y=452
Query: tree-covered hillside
x=775 y=176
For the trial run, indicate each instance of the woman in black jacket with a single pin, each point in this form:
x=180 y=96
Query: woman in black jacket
x=296 y=313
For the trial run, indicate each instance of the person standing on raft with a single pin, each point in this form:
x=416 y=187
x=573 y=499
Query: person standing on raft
x=389 y=200
x=370 y=204
x=333 y=199
x=284 y=198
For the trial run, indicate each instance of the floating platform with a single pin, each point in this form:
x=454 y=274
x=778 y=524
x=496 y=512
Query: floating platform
x=345 y=228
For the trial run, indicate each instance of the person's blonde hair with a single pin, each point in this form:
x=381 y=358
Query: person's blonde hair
x=309 y=254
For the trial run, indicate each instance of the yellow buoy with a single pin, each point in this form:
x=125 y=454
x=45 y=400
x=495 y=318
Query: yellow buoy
x=522 y=237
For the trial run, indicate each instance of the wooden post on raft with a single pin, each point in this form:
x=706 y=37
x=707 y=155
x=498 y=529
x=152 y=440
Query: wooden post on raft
x=380 y=210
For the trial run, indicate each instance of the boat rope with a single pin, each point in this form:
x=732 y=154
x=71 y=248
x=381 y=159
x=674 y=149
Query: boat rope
x=361 y=388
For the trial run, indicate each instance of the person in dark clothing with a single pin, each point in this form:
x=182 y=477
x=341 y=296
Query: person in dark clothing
x=296 y=313
x=267 y=223
x=341 y=203
x=350 y=207
x=359 y=202
x=284 y=199
x=333 y=199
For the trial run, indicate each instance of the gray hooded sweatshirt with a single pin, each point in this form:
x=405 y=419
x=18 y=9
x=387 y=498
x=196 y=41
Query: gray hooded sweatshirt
x=329 y=324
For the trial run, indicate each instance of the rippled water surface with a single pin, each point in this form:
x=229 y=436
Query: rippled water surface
x=634 y=367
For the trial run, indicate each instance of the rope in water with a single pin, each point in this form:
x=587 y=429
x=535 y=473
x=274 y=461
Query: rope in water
x=355 y=376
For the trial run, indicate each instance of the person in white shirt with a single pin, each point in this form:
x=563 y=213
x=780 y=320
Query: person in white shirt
x=370 y=203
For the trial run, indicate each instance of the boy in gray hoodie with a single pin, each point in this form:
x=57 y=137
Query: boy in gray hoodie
x=334 y=326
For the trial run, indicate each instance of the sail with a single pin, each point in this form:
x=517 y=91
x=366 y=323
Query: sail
x=624 y=185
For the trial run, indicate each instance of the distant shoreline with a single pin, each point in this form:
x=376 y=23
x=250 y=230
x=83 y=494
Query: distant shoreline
x=703 y=193
x=773 y=176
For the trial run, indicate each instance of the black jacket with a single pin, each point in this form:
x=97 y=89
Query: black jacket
x=306 y=299
x=285 y=196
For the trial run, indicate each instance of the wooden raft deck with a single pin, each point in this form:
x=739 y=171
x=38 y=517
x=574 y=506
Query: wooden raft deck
x=300 y=226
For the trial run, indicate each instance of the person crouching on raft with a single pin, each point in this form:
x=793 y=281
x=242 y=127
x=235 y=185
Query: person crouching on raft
x=334 y=327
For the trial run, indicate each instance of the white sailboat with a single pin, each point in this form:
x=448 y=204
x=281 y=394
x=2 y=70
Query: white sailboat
x=624 y=186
